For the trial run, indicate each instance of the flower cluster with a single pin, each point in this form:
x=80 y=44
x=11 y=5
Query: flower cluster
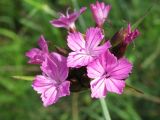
x=92 y=62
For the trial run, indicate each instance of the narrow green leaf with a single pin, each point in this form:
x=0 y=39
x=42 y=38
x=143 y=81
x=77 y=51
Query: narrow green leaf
x=27 y=78
x=41 y=6
x=131 y=88
x=10 y=34
x=135 y=25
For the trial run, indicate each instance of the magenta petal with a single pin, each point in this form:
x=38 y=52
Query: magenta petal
x=49 y=68
x=36 y=56
x=98 y=88
x=93 y=37
x=50 y=96
x=59 y=23
x=75 y=41
x=108 y=60
x=82 y=10
x=67 y=21
x=95 y=69
x=100 y=12
x=64 y=89
x=114 y=85
x=61 y=63
x=53 y=94
x=74 y=16
x=55 y=67
x=122 y=69
x=131 y=35
x=43 y=44
x=41 y=83
x=101 y=49
x=78 y=59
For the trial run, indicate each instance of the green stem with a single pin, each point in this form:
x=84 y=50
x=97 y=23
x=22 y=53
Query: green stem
x=105 y=109
x=75 y=115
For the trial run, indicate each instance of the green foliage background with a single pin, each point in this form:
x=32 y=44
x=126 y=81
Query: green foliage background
x=21 y=24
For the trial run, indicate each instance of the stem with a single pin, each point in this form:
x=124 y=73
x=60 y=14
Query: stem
x=105 y=109
x=75 y=115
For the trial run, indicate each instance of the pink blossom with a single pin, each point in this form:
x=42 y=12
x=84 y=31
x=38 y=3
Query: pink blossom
x=100 y=12
x=130 y=35
x=52 y=84
x=85 y=49
x=108 y=74
x=68 y=20
x=37 y=56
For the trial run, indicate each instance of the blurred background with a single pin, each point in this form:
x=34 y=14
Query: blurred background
x=21 y=24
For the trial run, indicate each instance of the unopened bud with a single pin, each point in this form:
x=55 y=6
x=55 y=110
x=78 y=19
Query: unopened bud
x=122 y=39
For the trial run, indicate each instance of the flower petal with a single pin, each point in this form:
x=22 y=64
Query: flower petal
x=121 y=70
x=75 y=41
x=98 y=88
x=36 y=56
x=78 y=59
x=100 y=12
x=50 y=92
x=74 y=16
x=93 y=37
x=50 y=96
x=68 y=20
x=53 y=94
x=108 y=60
x=131 y=35
x=64 y=89
x=43 y=44
x=61 y=22
x=101 y=49
x=114 y=85
x=55 y=66
x=61 y=63
x=95 y=69
x=41 y=83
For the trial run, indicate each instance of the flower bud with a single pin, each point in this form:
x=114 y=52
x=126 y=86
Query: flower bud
x=122 y=39
x=100 y=12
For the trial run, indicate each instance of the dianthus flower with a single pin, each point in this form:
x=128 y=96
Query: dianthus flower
x=52 y=84
x=108 y=74
x=68 y=20
x=85 y=48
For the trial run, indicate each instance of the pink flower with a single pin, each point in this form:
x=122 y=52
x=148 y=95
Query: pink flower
x=68 y=20
x=52 y=85
x=100 y=12
x=37 y=56
x=130 y=35
x=108 y=74
x=85 y=49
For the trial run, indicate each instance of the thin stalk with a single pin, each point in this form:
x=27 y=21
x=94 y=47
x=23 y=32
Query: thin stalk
x=75 y=115
x=105 y=109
